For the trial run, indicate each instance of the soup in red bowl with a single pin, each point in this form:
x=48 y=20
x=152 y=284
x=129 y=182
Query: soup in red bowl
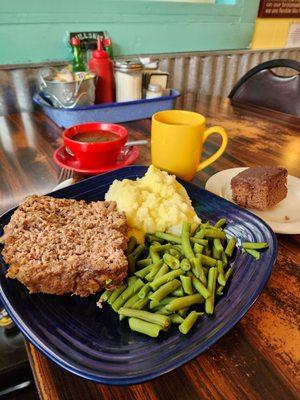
x=95 y=144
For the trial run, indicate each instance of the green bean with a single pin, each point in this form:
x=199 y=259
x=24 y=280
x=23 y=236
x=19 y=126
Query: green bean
x=134 y=256
x=218 y=245
x=208 y=261
x=171 y=261
x=197 y=230
x=162 y=310
x=153 y=254
x=144 y=291
x=178 y=247
x=154 y=270
x=116 y=293
x=176 y=239
x=220 y=223
x=198 y=248
x=175 y=253
x=211 y=286
x=186 y=282
x=220 y=288
x=255 y=245
x=161 y=247
x=254 y=253
x=105 y=296
x=164 y=290
x=144 y=263
x=158 y=319
x=203 y=242
x=198 y=285
x=213 y=228
x=147 y=328
x=140 y=304
x=131 y=280
x=224 y=259
x=214 y=233
x=198 y=269
x=132 y=288
x=138 y=251
x=185 y=265
x=188 y=322
x=221 y=277
x=205 y=225
x=168 y=277
x=168 y=237
x=178 y=292
x=200 y=234
x=162 y=271
x=176 y=319
x=184 y=302
x=216 y=254
x=143 y=272
x=155 y=304
x=131 y=263
x=204 y=268
x=153 y=238
x=185 y=237
x=228 y=273
x=183 y=312
x=155 y=244
x=131 y=301
x=230 y=247
x=131 y=245
x=219 y=291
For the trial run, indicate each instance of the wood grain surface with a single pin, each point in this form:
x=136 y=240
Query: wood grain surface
x=260 y=357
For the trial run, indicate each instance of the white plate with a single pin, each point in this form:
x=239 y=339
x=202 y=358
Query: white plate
x=282 y=218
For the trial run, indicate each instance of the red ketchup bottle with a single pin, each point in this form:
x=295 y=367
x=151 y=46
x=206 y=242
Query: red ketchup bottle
x=101 y=65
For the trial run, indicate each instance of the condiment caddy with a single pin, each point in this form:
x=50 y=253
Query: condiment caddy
x=107 y=112
x=123 y=91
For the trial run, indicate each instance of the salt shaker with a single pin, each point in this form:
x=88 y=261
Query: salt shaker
x=128 y=78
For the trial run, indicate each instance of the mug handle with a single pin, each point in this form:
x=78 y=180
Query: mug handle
x=210 y=131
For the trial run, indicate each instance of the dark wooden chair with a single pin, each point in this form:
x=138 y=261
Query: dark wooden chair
x=263 y=88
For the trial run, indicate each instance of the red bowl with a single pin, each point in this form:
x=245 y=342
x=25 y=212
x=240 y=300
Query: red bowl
x=95 y=154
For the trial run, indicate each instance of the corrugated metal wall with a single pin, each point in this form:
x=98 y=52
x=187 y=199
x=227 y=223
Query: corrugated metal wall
x=212 y=73
x=216 y=73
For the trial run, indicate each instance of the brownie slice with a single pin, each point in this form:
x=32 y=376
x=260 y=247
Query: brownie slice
x=259 y=187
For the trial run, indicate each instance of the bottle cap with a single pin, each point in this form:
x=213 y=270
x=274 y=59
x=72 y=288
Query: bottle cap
x=107 y=42
x=100 y=53
x=75 y=41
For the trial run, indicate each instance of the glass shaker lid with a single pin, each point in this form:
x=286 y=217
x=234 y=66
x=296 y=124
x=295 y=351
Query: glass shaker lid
x=128 y=65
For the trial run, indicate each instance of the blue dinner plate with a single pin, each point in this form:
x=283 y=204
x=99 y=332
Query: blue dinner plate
x=94 y=344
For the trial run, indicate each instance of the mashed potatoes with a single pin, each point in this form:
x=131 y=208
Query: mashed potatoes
x=156 y=202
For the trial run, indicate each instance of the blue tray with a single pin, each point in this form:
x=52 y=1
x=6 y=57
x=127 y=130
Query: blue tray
x=113 y=112
x=94 y=344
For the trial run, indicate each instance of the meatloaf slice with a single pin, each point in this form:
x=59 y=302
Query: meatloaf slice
x=63 y=246
x=259 y=187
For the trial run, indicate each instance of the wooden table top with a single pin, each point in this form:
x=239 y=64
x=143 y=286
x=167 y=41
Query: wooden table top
x=260 y=357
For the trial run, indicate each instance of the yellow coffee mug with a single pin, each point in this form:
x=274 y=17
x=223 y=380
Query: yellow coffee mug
x=177 y=137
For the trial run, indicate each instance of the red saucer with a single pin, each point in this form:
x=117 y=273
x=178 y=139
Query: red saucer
x=65 y=160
